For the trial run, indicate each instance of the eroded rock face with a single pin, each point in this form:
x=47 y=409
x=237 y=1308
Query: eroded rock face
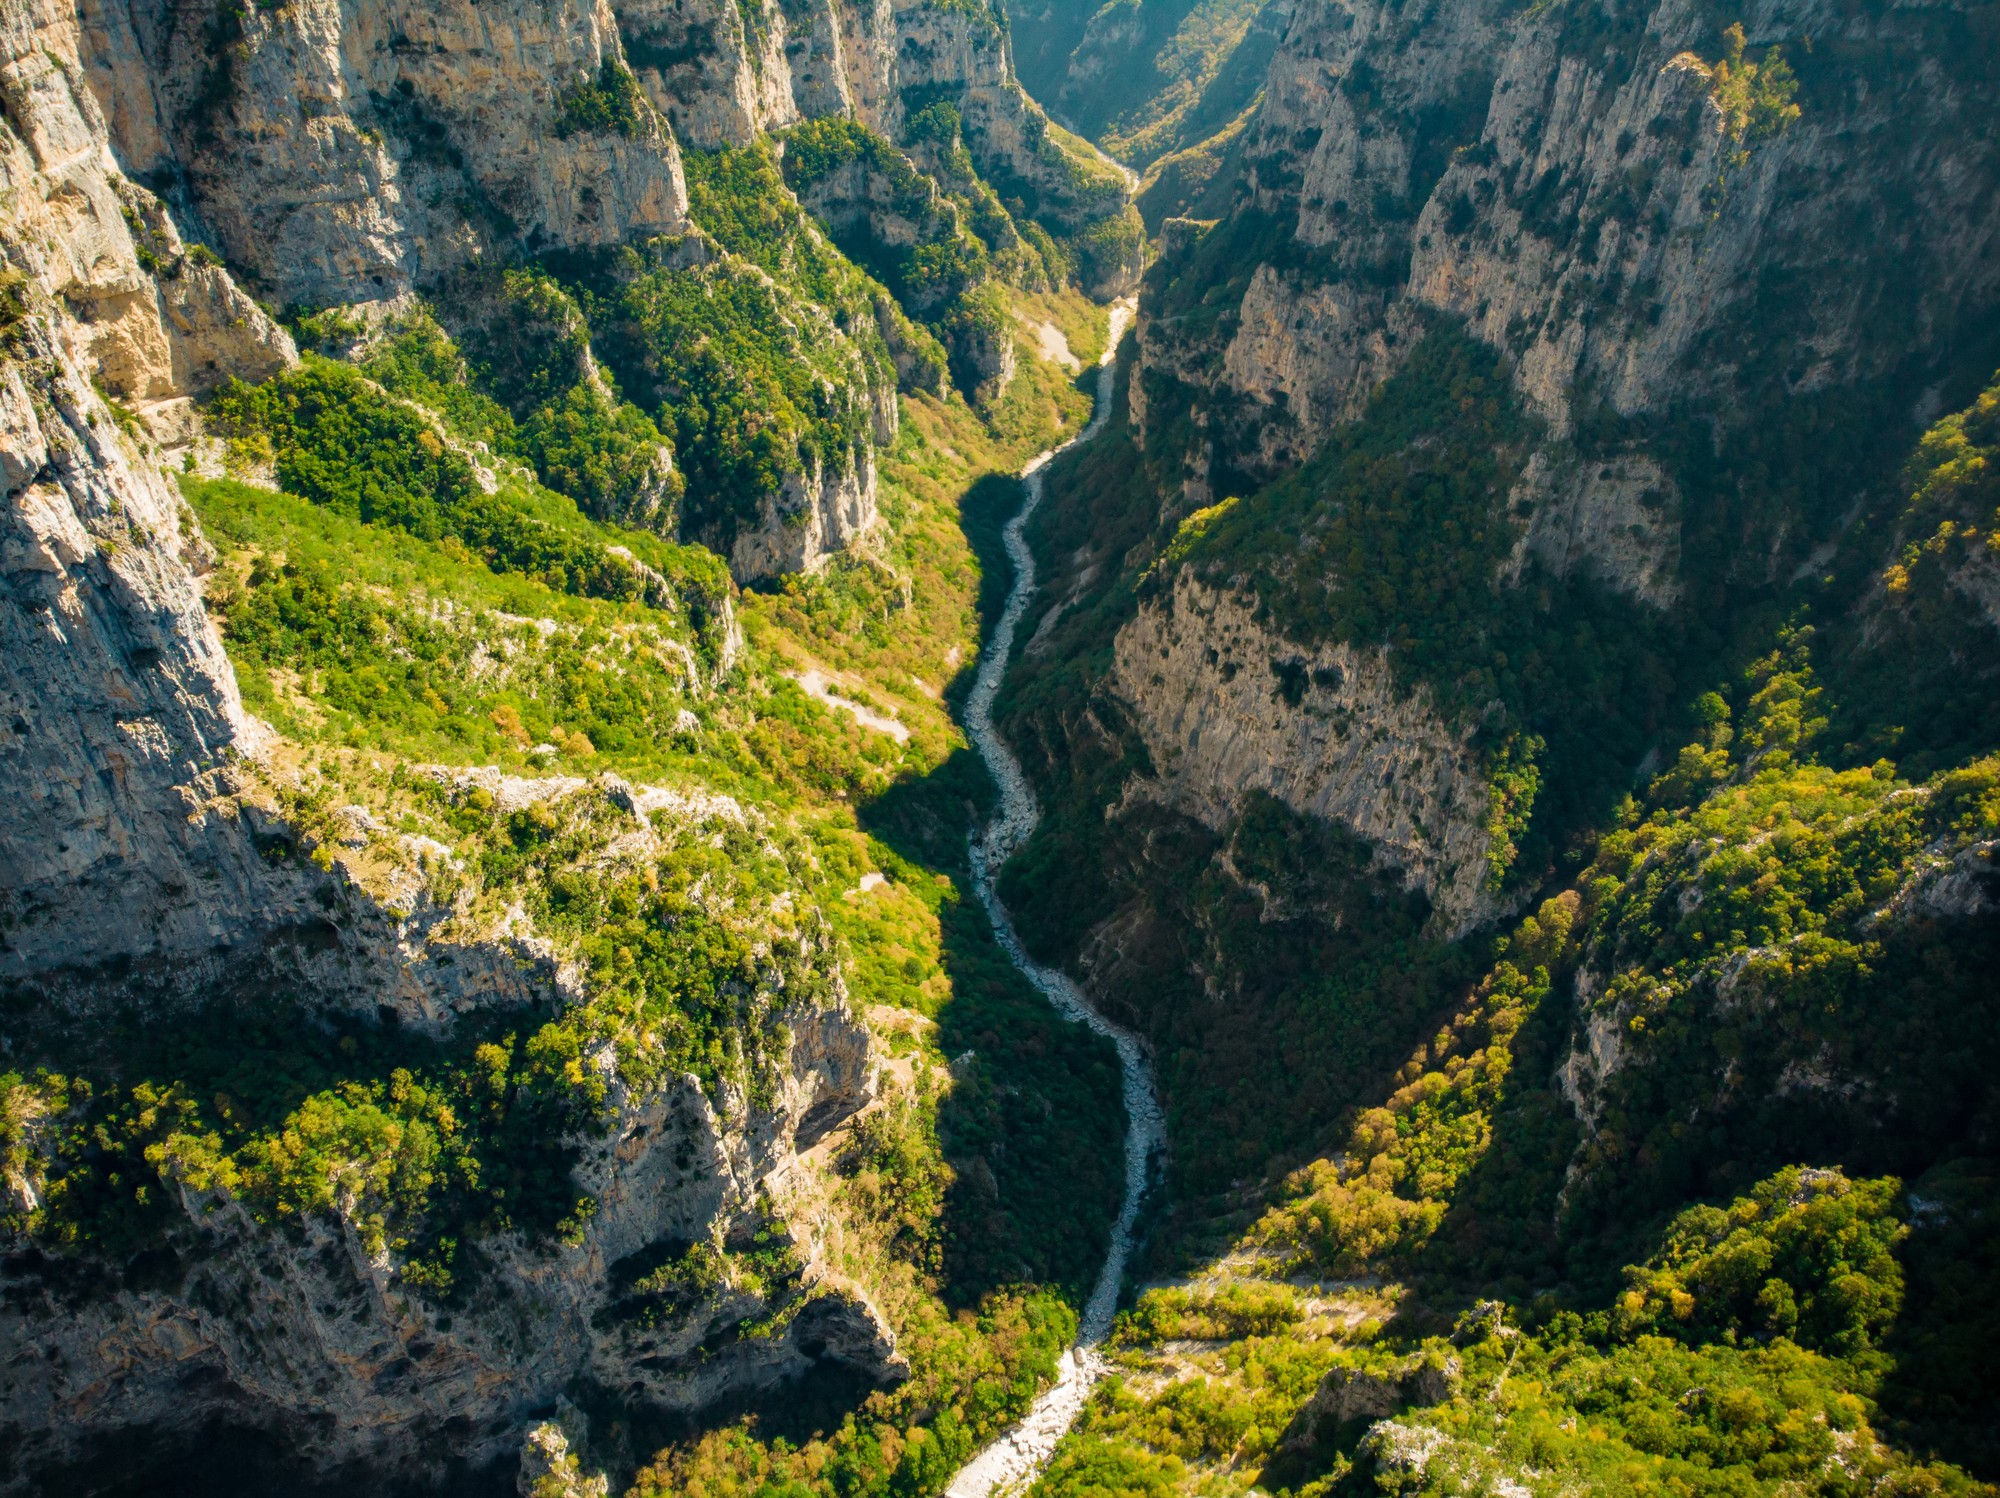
x=119 y=715
x=310 y=1336
x=1617 y=520
x=1584 y=204
x=121 y=711
x=344 y=153
x=1201 y=677
x=817 y=513
x=1348 y=1395
x=724 y=73
x=144 y=318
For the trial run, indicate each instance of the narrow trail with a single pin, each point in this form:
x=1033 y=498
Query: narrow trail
x=1018 y=1455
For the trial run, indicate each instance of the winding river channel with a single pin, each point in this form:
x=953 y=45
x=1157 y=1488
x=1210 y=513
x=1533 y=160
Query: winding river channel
x=1020 y=1453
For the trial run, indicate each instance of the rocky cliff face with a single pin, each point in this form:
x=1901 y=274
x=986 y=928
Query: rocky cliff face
x=815 y=514
x=340 y=154
x=151 y=856
x=1586 y=195
x=724 y=73
x=1206 y=685
x=123 y=714
x=313 y=1338
x=345 y=154
x=1682 y=244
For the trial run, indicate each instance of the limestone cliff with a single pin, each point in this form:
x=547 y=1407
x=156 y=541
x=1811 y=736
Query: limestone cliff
x=314 y=1339
x=347 y=153
x=815 y=514
x=1587 y=197
x=160 y=857
x=122 y=712
x=724 y=73
x=1657 y=226
x=1204 y=681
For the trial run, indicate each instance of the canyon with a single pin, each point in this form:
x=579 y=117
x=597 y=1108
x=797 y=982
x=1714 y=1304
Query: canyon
x=741 y=765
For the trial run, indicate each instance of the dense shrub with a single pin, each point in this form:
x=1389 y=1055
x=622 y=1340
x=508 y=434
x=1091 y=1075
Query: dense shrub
x=612 y=104
x=743 y=375
x=336 y=439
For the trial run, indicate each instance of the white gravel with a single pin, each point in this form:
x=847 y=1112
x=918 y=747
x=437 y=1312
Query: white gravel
x=1017 y=1456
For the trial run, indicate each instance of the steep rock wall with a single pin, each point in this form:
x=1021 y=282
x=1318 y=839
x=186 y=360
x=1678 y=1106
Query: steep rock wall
x=1198 y=673
x=121 y=712
x=724 y=73
x=143 y=317
x=818 y=512
x=1570 y=187
x=717 y=80
x=1665 y=272
x=316 y=1342
x=346 y=152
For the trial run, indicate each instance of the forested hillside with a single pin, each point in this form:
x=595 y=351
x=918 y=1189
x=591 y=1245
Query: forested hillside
x=1514 y=694
x=486 y=931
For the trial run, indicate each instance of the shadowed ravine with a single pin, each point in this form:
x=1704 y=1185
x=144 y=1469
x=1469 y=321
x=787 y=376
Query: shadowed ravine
x=1019 y=1454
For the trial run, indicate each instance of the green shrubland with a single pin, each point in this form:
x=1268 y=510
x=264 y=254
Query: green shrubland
x=610 y=104
x=1744 y=1356
x=400 y=622
x=337 y=439
x=741 y=373
x=1704 y=1128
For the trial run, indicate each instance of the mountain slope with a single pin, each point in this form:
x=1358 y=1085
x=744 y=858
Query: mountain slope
x=1533 y=395
x=447 y=972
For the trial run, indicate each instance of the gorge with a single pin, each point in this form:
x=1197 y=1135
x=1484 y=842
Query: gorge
x=882 y=748
x=1023 y=1450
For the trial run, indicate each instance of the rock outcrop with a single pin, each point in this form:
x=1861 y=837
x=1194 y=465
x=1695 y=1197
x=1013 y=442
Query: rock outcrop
x=550 y=1467
x=818 y=512
x=1204 y=684
x=725 y=73
x=1346 y=1396
x=1656 y=225
x=146 y=317
x=313 y=1339
x=961 y=54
